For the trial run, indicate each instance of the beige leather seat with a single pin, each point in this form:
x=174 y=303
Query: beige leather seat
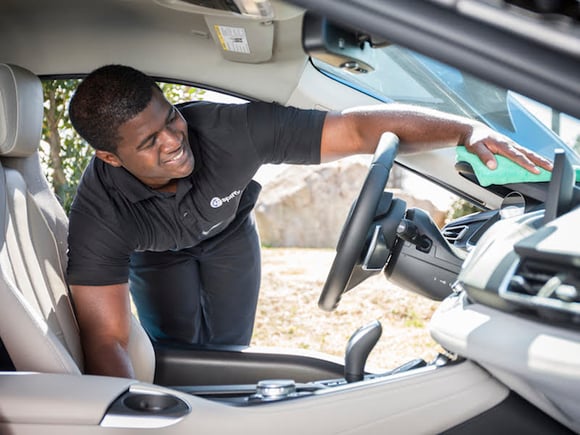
x=37 y=322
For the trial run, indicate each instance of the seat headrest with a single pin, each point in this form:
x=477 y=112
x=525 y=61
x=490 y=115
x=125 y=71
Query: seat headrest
x=21 y=111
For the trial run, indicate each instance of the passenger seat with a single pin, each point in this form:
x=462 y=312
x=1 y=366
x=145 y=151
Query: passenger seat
x=37 y=322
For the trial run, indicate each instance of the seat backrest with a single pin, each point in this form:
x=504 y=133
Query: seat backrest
x=37 y=321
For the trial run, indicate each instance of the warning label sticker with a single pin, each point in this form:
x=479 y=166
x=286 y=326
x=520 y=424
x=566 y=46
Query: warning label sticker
x=232 y=39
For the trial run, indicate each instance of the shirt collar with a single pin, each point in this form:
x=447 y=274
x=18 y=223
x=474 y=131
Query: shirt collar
x=131 y=187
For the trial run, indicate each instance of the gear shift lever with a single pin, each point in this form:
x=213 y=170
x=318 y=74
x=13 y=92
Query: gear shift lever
x=358 y=348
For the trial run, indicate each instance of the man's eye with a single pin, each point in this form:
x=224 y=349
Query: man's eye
x=172 y=116
x=149 y=144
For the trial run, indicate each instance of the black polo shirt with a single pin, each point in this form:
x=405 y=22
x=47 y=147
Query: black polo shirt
x=114 y=214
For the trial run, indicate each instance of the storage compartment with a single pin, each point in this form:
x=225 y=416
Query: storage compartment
x=153 y=403
x=143 y=406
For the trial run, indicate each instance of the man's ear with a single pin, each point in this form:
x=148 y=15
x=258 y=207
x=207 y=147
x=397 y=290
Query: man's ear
x=108 y=157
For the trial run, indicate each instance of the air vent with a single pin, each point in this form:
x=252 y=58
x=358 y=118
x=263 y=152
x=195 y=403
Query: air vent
x=453 y=233
x=542 y=285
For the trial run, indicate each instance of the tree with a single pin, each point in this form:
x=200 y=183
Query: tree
x=181 y=93
x=459 y=208
x=64 y=154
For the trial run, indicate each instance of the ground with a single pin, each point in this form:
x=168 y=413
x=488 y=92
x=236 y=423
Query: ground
x=288 y=315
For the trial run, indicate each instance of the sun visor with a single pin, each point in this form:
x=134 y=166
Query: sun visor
x=260 y=9
x=242 y=40
x=242 y=29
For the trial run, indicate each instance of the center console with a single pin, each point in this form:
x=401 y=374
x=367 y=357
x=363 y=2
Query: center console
x=426 y=399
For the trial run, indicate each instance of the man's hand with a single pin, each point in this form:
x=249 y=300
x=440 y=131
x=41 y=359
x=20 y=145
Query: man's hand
x=485 y=143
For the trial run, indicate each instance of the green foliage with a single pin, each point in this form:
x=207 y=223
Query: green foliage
x=64 y=154
x=460 y=208
x=180 y=93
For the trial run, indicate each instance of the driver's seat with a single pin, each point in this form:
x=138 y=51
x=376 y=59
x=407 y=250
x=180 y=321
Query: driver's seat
x=37 y=321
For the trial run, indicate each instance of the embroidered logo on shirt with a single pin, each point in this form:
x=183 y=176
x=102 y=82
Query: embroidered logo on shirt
x=218 y=202
x=205 y=233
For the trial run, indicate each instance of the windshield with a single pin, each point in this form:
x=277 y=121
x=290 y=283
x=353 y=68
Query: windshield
x=404 y=76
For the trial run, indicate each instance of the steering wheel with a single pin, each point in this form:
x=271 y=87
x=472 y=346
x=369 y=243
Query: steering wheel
x=356 y=227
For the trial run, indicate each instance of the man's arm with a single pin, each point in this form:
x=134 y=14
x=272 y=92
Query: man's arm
x=357 y=131
x=104 y=316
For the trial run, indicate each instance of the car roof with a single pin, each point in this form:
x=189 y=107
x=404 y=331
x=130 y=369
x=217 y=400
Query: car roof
x=535 y=51
x=75 y=37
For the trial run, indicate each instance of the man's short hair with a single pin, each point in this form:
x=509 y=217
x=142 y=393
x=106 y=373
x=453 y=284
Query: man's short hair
x=108 y=97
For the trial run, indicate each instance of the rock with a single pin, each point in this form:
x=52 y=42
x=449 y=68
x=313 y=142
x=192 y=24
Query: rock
x=306 y=206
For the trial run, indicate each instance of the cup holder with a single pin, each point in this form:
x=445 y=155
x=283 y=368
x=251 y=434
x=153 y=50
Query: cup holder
x=153 y=403
x=143 y=408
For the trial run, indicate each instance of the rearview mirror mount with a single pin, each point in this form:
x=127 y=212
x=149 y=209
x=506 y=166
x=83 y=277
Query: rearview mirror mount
x=338 y=46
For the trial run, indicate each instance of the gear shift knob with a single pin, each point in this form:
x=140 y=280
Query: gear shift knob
x=358 y=348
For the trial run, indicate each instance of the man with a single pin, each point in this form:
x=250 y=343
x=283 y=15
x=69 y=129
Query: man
x=164 y=209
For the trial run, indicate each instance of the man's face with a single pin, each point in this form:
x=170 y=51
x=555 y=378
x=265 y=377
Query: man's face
x=154 y=146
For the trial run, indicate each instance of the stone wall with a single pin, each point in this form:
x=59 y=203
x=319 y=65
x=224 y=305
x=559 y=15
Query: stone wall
x=306 y=206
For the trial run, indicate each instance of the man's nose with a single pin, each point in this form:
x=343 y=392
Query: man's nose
x=170 y=138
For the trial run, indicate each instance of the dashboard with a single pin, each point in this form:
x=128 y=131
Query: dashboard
x=516 y=310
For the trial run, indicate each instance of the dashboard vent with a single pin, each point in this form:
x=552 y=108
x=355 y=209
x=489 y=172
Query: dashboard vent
x=453 y=233
x=538 y=284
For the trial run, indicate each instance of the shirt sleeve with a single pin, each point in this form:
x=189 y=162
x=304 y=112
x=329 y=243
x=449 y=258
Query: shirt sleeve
x=285 y=134
x=96 y=255
x=98 y=248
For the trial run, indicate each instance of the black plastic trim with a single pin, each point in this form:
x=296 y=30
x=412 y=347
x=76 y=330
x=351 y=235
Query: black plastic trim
x=496 y=54
x=218 y=365
x=6 y=364
x=514 y=415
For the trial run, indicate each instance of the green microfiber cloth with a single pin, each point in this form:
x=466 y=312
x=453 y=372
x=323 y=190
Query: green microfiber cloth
x=507 y=172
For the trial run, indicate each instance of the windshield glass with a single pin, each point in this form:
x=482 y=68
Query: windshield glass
x=404 y=76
